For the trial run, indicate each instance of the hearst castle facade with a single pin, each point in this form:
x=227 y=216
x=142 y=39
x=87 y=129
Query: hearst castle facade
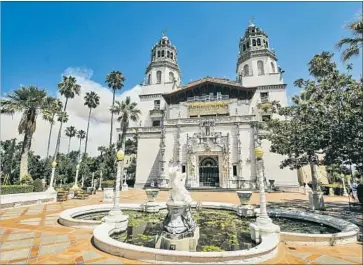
x=207 y=126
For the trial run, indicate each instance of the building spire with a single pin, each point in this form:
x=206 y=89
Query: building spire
x=251 y=21
x=163 y=33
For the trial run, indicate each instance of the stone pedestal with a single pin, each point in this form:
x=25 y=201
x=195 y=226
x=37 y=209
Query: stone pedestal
x=124 y=187
x=117 y=219
x=316 y=200
x=151 y=206
x=246 y=211
x=263 y=227
x=70 y=194
x=180 y=231
x=183 y=244
x=107 y=195
x=331 y=192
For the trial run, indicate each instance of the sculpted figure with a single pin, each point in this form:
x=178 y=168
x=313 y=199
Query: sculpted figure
x=178 y=192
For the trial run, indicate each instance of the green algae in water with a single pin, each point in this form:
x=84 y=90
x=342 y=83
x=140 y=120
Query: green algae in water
x=219 y=230
x=306 y=227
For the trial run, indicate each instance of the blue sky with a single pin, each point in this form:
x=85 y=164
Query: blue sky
x=40 y=40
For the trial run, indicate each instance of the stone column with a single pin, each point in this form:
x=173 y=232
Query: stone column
x=75 y=186
x=240 y=179
x=263 y=225
x=100 y=184
x=163 y=179
x=51 y=188
x=345 y=193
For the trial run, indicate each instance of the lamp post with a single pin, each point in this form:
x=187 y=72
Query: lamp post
x=116 y=199
x=263 y=225
x=51 y=188
x=75 y=186
x=115 y=217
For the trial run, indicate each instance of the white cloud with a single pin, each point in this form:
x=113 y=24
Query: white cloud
x=78 y=115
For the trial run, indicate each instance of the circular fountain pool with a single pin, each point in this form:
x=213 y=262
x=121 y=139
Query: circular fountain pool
x=217 y=225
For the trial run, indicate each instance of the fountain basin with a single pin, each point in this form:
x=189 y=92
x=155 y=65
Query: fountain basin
x=103 y=232
x=244 y=196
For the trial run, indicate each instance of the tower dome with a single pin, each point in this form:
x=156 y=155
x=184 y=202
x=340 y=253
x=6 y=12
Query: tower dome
x=163 y=67
x=257 y=63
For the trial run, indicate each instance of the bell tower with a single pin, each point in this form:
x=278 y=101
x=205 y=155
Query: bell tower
x=163 y=69
x=257 y=62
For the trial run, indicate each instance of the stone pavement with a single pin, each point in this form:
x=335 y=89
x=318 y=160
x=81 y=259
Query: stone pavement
x=32 y=235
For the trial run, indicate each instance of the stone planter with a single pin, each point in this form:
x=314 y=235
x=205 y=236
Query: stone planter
x=244 y=196
x=151 y=194
x=107 y=195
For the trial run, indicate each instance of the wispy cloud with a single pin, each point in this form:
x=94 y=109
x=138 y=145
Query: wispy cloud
x=78 y=115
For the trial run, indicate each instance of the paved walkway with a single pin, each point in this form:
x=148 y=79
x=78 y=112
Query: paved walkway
x=31 y=235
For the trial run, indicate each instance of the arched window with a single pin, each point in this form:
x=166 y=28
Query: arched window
x=246 y=70
x=162 y=53
x=158 y=53
x=260 y=69
x=244 y=47
x=168 y=54
x=273 y=67
x=149 y=79
x=158 y=77
x=258 y=42
x=248 y=45
x=266 y=44
x=171 y=56
x=254 y=42
x=171 y=77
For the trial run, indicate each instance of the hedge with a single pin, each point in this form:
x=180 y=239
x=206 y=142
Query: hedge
x=12 y=189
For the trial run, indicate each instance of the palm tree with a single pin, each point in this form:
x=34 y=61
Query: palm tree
x=54 y=106
x=115 y=81
x=69 y=89
x=80 y=135
x=92 y=100
x=70 y=132
x=30 y=101
x=355 y=43
x=128 y=111
x=62 y=117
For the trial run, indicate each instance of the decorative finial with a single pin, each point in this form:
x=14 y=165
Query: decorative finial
x=164 y=32
x=251 y=20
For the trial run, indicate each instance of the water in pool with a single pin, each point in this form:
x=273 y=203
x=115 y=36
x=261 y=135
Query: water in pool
x=220 y=230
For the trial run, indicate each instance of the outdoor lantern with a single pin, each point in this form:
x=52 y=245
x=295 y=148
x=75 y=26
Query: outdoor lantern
x=54 y=164
x=120 y=155
x=258 y=152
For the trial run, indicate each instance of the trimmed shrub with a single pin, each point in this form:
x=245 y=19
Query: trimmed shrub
x=38 y=185
x=108 y=184
x=26 y=180
x=13 y=189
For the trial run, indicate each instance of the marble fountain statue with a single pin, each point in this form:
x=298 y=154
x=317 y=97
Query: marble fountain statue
x=180 y=231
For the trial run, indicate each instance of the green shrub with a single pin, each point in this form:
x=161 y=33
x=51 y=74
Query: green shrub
x=211 y=249
x=12 y=189
x=38 y=185
x=26 y=180
x=108 y=184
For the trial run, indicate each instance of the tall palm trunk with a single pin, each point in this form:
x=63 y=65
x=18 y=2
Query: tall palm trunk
x=79 y=151
x=59 y=133
x=24 y=154
x=69 y=144
x=89 y=117
x=113 y=104
x=50 y=136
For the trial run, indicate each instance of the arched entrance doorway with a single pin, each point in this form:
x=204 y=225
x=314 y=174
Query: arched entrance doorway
x=208 y=171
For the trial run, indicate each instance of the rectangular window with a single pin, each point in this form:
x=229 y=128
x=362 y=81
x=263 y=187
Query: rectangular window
x=183 y=168
x=156 y=123
x=264 y=97
x=234 y=170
